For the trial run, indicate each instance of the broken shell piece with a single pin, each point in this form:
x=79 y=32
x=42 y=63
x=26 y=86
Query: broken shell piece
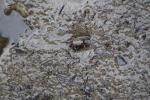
x=120 y=60
x=18 y=7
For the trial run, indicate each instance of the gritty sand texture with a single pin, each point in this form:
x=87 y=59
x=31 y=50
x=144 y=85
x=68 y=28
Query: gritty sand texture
x=116 y=66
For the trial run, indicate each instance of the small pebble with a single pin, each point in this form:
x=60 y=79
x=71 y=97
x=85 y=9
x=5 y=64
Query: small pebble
x=120 y=60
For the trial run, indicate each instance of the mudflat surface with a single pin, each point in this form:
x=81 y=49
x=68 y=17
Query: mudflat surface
x=52 y=62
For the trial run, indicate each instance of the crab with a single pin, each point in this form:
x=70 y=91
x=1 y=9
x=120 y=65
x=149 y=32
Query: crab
x=80 y=43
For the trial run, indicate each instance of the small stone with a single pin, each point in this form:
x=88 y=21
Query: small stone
x=120 y=60
x=7 y=11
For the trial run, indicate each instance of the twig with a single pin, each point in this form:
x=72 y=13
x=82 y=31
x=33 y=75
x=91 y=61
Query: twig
x=61 y=9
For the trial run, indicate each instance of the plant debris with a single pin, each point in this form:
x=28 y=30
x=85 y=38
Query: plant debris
x=3 y=43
